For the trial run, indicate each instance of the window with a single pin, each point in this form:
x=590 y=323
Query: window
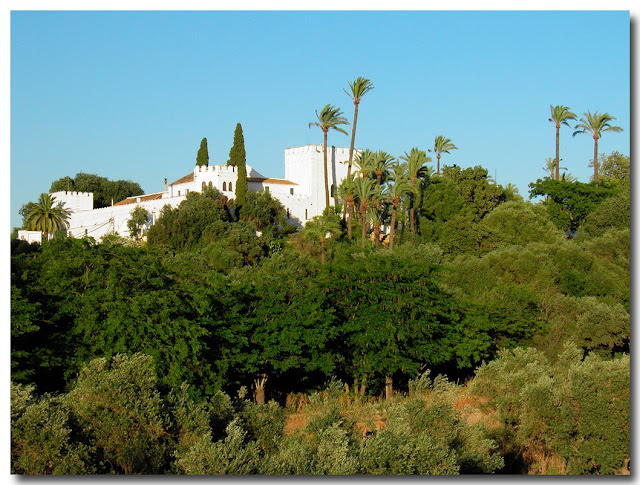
x=291 y=191
x=306 y=215
x=224 y=186
x=178 y=193
x=288 y=214
x=230 y=189
x=333 y=190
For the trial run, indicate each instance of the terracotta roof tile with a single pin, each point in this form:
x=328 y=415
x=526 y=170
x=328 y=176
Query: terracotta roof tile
x=184 y=180
x=278 y=181
x=143 y=198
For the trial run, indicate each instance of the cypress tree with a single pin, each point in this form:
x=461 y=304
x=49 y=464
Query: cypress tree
x=238 y=158
x=203 y=154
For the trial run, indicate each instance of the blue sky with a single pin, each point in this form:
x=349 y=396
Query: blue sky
x=129 y=95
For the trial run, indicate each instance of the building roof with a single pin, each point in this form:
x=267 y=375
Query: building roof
x=278 y=181
x=187 y=178
x=143 y=198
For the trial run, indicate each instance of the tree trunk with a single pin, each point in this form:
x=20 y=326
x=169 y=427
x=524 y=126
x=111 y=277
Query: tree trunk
x=322 y=251
x=349 y=221
x=438 y=165
x=363 y=386
x=557 y=152
x=393 y=227
x=326 y=172
x=388 y=388
x=364 y=226
x=376 y=230
x=595 y=159
x=353 y=137
x=259 y=392
x=411 y=200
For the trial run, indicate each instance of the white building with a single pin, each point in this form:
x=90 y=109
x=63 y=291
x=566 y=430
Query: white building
x=301 y=192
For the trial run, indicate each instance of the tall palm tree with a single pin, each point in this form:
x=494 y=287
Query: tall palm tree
x=365 y=163
x=442 y=145
x=358 y=88
x=319 y=228
x=365 y=190
x=347 y=192
x=560 y=116
x=328 y=119
x=416 y=168
x=381 y=165
x=394 y=193
x=47 y=215
x=595 y=124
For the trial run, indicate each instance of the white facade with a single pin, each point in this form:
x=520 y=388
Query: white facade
x=301 y=192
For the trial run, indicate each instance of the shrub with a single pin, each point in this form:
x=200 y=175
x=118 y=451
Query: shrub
x=44 y=437
x=571 y=416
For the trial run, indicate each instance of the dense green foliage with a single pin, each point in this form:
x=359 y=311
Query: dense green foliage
x=104 y=190
x=124 y=355
x=569 y=203
x=118 y=418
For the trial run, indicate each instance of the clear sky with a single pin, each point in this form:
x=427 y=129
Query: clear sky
x=129 y=95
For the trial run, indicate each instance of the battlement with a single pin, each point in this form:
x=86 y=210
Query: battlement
x=74 y=201
x=316 y=149
x=214 y=169
x=69 y=193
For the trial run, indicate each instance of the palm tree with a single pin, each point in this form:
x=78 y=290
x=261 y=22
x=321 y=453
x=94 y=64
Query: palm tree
x=595 y=124
x=319 y=228
x=365 y=163
x=394 y=193
x=328 y=119
x=48 y=216
x=416 y=168
x=442 y=145
x=552 y=167
x=365 y=190
x=382 y=163
x=347 y=192
x=560 y=116
x=359 y=88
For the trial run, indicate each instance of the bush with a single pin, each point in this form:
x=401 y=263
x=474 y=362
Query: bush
x=44 y=437
x=570 y=416
x=118 y=405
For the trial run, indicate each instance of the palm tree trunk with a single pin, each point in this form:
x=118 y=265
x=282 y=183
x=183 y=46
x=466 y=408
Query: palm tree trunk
x=326 y=173
x=376 y=234
x=595 y=159
x=349 y=221
x=411 y=227
x=353 y=137
x=438 y=165
x=393 y=227
x=557 y=152
x=364 y=226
